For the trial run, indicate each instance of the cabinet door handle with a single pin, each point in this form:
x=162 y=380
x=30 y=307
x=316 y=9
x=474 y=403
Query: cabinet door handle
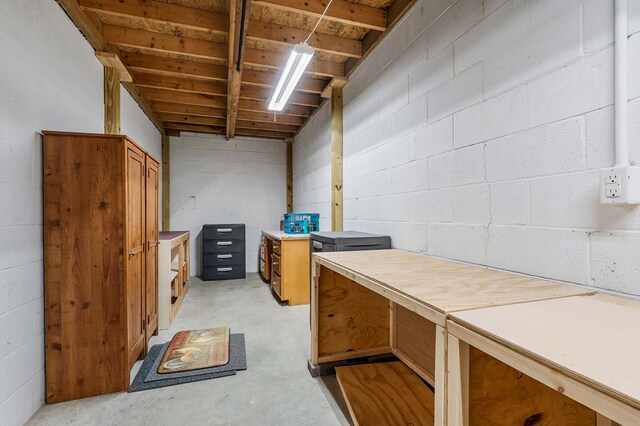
x=225 y=256
x=133 y=253
x=224 y=243
x=225 y=269
x=224 y=230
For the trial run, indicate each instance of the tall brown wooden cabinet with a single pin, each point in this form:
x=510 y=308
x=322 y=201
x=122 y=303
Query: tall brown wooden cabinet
x=100 y=261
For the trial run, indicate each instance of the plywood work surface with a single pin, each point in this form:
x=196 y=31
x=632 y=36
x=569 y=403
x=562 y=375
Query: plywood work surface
x=442 y=285
x=594 y=339
x=386 y=393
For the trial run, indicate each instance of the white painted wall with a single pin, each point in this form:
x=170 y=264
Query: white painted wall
x=475 y=132
x=218 y=181
x=50 y=80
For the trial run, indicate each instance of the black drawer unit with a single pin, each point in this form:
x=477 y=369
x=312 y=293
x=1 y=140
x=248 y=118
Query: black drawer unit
x=223 y=252
x=234 y=272
x=222 y=246
x=224 y=259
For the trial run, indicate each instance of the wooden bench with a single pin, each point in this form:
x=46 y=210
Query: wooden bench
x=395 y=302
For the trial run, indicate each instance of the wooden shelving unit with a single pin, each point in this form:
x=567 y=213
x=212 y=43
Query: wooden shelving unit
x=173 y=274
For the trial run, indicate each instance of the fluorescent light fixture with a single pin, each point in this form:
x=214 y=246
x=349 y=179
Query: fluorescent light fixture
x=296 y=64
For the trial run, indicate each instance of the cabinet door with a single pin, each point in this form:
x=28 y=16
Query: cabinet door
x=152 y=246
x=136 y=251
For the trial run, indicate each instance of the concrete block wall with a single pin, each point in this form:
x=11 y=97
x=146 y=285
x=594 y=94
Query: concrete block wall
x=218 y=181
x=50 y=80
x=475 y=132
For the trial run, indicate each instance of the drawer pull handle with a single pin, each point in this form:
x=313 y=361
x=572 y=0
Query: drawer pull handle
x=225 y=256
x=224 y=230
x=225 y=269
x=224 y=243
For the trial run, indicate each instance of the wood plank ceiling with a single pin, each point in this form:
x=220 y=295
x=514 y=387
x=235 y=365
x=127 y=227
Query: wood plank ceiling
x=182 y=55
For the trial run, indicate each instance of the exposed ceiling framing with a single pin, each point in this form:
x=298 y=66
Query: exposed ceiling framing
x=198 y=66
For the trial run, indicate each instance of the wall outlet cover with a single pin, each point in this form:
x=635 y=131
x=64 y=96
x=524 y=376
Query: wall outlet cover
x=620 y=185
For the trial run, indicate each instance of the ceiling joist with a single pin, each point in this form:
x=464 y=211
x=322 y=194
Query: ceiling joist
x=342 y=11
x=205 y=49
x=170 y=66
x=209 y=21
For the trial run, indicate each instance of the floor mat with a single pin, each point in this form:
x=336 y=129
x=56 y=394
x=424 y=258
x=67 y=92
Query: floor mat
x=196 y=349
x=149 y=378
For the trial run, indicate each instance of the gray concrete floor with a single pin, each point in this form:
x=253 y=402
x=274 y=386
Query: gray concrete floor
x=276 y=389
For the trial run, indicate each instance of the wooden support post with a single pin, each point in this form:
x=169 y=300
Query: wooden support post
x=336 y=159
x=166 y=184
x=289 y=143
x=111 y=100
x=457 y=392
x=114 y=73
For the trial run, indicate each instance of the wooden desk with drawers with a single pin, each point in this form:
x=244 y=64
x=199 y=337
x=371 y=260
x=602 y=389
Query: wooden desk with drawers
x=395 y=302
x=284 y=263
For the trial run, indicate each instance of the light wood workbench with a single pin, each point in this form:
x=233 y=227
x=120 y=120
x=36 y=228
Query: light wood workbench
x=585 y=348
x=391 y=301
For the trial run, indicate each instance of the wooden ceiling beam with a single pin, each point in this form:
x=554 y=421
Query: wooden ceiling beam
x=173 y=96
x=180 y=84
x=276 y=127
x=239 y=12
x=198 y=99
x=170 y=66
x=196 y=128
x=268 y=118
x=160 y=42
x=197 y=110
x=277 y=60
x=183 y=68
x=342 y=11
x=266 y=134
x=261 y=106
x=269 y=79
x=212 y=112
x=210 y=21
x=158 y=11
x=260 y=93
x=190 y=119
x=334 y=45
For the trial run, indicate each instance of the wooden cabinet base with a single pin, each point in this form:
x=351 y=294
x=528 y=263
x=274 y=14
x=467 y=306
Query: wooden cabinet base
x=288 y=266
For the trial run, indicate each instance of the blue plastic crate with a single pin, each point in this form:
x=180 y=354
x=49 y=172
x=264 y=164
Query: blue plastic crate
x=301 y=223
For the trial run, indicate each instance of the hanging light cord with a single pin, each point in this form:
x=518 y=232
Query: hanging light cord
x=318 y=23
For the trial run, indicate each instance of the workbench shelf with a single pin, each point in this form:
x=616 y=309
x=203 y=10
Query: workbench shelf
x=386 y=393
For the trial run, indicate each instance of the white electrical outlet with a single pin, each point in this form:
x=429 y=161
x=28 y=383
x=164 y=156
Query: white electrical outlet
x=620 y=185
